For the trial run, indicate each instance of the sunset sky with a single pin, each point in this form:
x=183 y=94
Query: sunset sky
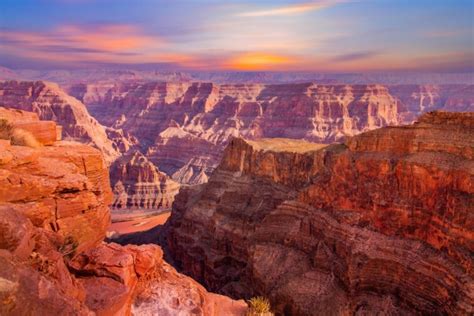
x=325 y=35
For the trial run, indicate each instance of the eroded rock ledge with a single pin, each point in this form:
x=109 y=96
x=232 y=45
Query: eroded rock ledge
x=139 y=184
x=54 y=212
x=379 y=224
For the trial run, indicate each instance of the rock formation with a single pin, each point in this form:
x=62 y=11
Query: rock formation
x=54 y=203
x=184 y=127
x=137 y=183
x=51 y=103
x=379 y=224
x=415 y=100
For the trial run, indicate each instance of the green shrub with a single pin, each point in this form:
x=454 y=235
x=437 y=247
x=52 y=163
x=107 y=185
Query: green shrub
x=69 y=247
x=259 y=305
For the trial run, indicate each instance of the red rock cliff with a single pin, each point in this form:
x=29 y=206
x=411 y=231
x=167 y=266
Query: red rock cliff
x=139 y=184
x=51 y=103
x=186 y=126
x=380 y=224
x=54 y=201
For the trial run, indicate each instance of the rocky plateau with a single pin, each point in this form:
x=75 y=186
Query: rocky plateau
x=380 y=224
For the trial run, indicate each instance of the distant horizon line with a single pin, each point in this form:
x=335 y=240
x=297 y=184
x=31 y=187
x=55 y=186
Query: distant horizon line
x=143 y=68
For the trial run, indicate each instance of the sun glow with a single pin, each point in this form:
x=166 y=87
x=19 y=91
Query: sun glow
x=258 y=61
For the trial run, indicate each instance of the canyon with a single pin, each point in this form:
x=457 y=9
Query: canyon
x=317 y=196
x=381 y=223
x=137 y=183
x=54 y=198
x=181 y=128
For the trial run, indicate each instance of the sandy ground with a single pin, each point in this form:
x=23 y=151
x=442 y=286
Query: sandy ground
x=137 y=224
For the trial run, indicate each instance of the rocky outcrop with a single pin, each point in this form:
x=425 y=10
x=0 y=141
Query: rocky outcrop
x=51 y=103
x=54 y=202
x=138 y=184
x=380 y=224
x=63 y=188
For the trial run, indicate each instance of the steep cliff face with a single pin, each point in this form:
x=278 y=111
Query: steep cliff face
x=379 y=224
x=418 y=99
x=54 y=201
x=51 y=103
x=137 y=183
x=185 y=126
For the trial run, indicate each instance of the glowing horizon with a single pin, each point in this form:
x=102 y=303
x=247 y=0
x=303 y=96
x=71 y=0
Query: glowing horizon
x=281 y=35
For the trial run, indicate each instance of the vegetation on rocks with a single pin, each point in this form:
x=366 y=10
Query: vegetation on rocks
x=259 y=306
x=17 y=136
x=5 y=129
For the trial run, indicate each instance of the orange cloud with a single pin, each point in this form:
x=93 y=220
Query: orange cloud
x=109 y=37
x=104 y=43
x=258 y=61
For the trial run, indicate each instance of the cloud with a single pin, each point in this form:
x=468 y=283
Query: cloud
x=113 y=43
x=292 y=9
x=444 y=33
x=355 y=56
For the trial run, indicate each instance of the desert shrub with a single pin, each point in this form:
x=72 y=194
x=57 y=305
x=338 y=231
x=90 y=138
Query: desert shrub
x=17 y=136
x=21 y=137
x=259 y=306
x=5 y=129
x=69 y=247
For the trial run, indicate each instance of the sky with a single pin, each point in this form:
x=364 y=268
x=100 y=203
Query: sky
x=240 y=35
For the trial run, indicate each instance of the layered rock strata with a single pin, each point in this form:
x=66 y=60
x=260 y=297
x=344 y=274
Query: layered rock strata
x=184 y=127
x=380 y=224
x=138 y=184
x=415 y=100
x=51 y=103
x=54 y=203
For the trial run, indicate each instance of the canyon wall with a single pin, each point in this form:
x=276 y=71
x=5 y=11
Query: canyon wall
x=54 y=200
x=51 y=103
x=379 y=224
x=415 y=100
x=137 y=183
x=184 y=127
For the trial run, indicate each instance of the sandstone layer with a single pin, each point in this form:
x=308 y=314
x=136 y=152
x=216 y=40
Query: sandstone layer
x=380 y=224
x=54 y=203
x=138 y=184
